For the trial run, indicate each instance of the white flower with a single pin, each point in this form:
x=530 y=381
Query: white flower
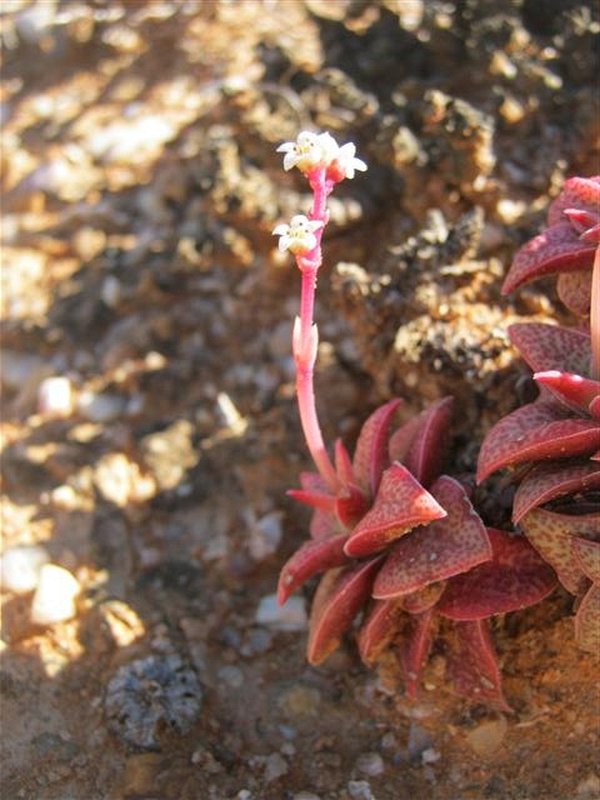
x=299 y=236
x=312 y=150
x=347 y=162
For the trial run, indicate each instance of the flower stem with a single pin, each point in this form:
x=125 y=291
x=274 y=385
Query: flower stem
x=306 y=339
x=595 y=317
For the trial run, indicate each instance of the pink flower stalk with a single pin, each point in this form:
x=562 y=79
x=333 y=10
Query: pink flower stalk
x=324 y=163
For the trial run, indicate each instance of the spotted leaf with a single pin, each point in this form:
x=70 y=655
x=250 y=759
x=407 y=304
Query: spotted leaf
x=371 y=454
x=379 y=628
x=414 y=648
x=313 y=557
x=401 y=504
x=545 y=482
x=444 y=548
x=514 y=578
x=587 y=629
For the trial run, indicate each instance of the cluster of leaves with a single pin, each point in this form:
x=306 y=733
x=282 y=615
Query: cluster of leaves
x=404 y=545
x=553 y=444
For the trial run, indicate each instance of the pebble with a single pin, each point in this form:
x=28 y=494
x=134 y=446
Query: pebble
x=20 y=568
x=100 y=407
x=265 y=536
x=54 y=598
x=430 y=756
x=55 y=397
x=290 y=617
x=418 y=740
x=487 y=737
x=360 y=790
x=370 y=764
x=275 y=767
x=232 y=676
x=589 y=787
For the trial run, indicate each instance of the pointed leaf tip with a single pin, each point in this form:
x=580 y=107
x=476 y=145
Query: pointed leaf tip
x=371 y=454
x=400 y=505
x=443 y=548
x=313 y=557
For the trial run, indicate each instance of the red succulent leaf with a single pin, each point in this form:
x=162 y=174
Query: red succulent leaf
x=343 y=464
x=552 y=347
x=473 y=665
x=308 y=560
x=575 y=290
x=423 y=599
x=371 y=454
x=557 y=249
x=337 y=601
x=533 y=432
x=545 y=482
x=380 y=627
x=401 y=439
x=577 y=193
x=594 y=408
x=426 y=451
x=587 y=630
x=587 y=554
x=439 y=550
x=573 y=390
x=323 y=524
x=400 y=505
x=324 y=502
x=516 y=577
x=551 y=534
x=414 y=648
x=351 y=505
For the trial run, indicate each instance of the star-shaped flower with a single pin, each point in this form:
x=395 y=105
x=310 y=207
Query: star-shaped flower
x=299 y=236
x=313 y=150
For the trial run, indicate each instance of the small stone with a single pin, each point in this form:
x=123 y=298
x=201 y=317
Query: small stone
x=418 y=740
x=265 y=536
x=430 y=756
x=54 y=598
x=232 y=676
x=111 y=291
x=20 y=568
x=487 y=737
x=370 y=764
x=101 y=407
x=55 y=397
x=290 y=617
x=360 y=790
x=589 y=787
x=275 y=767
x=301 y=701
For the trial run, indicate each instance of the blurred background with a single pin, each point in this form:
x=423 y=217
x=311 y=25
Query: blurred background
x=149 y=427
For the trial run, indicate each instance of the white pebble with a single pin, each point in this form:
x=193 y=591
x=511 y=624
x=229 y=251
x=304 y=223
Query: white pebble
x=20 y=568
x=54 y=598
x=370 y=764
x=55 y=397
x=290 y=617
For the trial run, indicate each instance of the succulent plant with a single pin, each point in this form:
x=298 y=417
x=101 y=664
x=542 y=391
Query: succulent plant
x=407 y=556
x=553 y=444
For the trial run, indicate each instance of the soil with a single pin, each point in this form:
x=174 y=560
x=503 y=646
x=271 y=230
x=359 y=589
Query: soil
x=141 y=186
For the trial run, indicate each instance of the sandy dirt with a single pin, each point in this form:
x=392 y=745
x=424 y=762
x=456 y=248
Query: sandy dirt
x=140 y=189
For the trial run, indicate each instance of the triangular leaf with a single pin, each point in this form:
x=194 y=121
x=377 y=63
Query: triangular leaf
x=551 y=534
x=552 y=347
x=400 y=505
x=311 y=558
x=380 y=627
x=533 y=432
x=343 y=464
x=371 y=454
x=414 y=648
x=516 y=577
x=338 y=600
x=438 y=551
x=473 y=665
x=427 y=449
x=401 y=439
x=545 y=482
x=557 y=249
x=351 y=505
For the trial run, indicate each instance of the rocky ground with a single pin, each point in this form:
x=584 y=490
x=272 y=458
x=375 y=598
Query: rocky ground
x=149 y=425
